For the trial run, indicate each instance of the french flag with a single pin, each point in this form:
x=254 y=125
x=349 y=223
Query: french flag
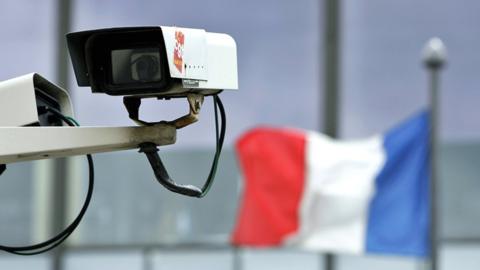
x=305 y=190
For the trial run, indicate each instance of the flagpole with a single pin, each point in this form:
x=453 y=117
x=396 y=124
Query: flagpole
x=434 y=58
x=331 y=61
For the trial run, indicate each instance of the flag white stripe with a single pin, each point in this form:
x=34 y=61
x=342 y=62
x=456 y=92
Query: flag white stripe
x=340 y=182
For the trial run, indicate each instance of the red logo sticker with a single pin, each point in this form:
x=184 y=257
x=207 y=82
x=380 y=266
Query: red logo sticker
x=178 y=51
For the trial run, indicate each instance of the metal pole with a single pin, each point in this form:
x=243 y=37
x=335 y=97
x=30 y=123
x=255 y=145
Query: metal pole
x=237 y=263
x=147 y=259
x=60 y=187
x=331 y=67
x=331 y=78
x=434 y=58
x=63 y=27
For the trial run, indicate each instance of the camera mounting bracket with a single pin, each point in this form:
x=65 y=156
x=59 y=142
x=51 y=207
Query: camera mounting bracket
x=195 y=102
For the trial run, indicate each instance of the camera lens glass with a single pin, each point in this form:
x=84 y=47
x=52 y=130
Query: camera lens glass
x=136 y=65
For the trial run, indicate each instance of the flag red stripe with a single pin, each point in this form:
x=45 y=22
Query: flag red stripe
x=271 y=160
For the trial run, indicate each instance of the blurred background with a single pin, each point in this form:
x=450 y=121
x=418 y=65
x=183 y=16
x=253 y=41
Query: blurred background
x=348 y=68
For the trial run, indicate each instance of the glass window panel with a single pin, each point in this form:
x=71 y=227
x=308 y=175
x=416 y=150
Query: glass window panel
x=280 y=259
x=378 y=262
x=16 y=193
x=460 y=256
x=39 y=262
x=100 y=260
x=459 y=189
x=194 y=260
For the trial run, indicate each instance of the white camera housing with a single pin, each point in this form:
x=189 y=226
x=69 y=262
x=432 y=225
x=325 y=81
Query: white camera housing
x=20 y=97
x=209 y=58
x=182 y=61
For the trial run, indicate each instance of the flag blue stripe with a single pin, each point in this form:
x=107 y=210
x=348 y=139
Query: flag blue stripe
x=398 y=219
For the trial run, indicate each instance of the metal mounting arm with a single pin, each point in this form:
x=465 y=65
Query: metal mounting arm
x=33 y=143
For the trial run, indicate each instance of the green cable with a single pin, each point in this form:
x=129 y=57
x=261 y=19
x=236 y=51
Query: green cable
x=73 y=120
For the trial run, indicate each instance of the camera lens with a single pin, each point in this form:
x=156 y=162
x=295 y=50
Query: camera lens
x=147 y=68
x=136 y=65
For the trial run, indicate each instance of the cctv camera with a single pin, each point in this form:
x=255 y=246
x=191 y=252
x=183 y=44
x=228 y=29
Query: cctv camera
x=158 y=62
x=26 y=96
x=161 y=62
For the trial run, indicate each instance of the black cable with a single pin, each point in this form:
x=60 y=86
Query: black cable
x=59 y=238
x=161 y=174
x=219 y=142
x=215 y=108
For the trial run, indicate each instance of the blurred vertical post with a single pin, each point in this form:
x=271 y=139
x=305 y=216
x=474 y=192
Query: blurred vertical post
x=331 y=67
x=237 y=263
x=331 y=63
x=60 y=187
x=63 y=27
x=434 y=58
